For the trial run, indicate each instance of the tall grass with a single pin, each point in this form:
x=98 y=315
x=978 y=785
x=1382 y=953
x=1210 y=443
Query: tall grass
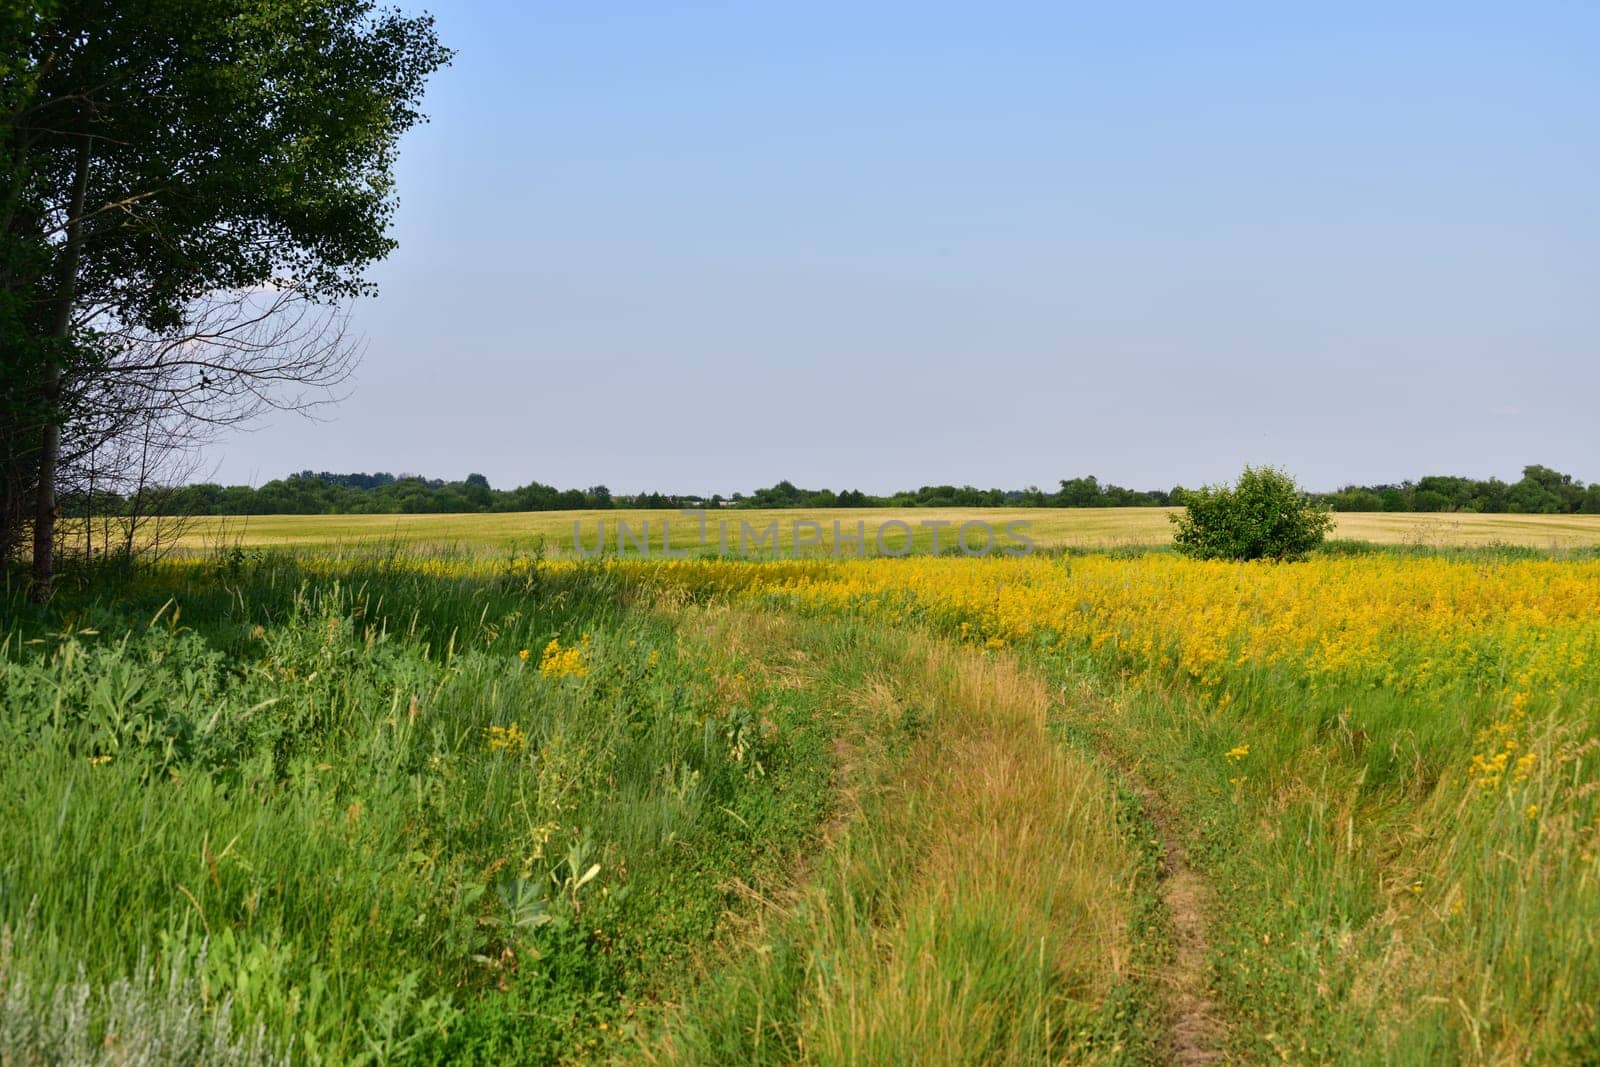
x=974 y=909
x=349 y=818
x=1388 y=765
x=275 y=806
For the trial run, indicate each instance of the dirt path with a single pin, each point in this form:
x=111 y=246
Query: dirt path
x=1197 y=1029
x=1194 y=1018
x=957 y=909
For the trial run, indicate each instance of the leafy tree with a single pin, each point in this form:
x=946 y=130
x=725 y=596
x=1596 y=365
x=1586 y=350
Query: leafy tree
x=154 y=153
x=475 y=493
x=1350 y=498
x=1263 y=516
x=1545 y=491
x=1394 y=497
x=1079 y=492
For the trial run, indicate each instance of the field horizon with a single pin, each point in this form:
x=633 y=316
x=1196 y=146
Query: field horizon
x=1048 y=528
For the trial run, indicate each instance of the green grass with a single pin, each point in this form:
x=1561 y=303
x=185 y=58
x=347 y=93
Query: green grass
x=256 y=810
x=294 y=806
x=1375 y=894
x=1369 y=907
x=279 y=792
x=1370 y=903
x=976 y=903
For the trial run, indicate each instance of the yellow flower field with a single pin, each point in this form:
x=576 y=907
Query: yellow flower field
x=1425 y=726
x=1384 y=621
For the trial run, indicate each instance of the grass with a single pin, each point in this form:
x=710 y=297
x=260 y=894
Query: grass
x=972 y=905
x=1078 y=528
x=1375 y=921
x=302 y=805
x=348 y=812
x=1386 y=768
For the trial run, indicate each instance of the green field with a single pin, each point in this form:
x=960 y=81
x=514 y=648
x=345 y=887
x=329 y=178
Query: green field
x=457 y=807
x=393 y=775
x=1082 y=528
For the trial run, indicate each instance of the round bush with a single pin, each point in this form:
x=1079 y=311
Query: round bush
x=1264 y=516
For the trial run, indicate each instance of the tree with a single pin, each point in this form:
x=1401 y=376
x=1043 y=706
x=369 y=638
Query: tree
x=1353 y=498
x=1263 y=516
x=134 y=428
x=476 y=493
x=1079 y=492
x=159 y=155
x=1545 y=491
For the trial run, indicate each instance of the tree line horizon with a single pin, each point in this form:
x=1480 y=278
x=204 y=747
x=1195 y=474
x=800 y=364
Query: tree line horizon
x=1541 y=490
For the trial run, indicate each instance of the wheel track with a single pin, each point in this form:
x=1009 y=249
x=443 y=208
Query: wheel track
x=1196 y=1031
x=1196 y=1027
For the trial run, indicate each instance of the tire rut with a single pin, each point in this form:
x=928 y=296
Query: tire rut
x=1196 y=1030
x=1196 y=1026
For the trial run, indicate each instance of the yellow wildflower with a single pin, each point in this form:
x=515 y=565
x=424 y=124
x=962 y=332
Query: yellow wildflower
x=507 y=739
x=557 y=662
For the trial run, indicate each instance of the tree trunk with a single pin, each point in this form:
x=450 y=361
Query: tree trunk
x=88 y=517
x=44 y=513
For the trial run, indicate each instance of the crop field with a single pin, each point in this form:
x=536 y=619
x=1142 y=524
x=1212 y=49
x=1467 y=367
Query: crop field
x=1076 y=528
x=278 y=802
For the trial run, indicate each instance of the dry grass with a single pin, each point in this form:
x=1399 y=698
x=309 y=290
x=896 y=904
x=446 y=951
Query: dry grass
x=972 y=908
x=1051 y=527
x=1016 y=882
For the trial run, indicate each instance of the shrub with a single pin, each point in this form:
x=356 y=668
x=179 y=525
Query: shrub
x=1264 y=516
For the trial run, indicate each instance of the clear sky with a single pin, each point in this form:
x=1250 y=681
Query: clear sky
x=700 y=247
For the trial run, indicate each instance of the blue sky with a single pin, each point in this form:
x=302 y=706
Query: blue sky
x=701 y=247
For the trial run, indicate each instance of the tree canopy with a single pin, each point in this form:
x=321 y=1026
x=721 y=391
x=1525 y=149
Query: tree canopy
x=1264 y=515
x=157 y=153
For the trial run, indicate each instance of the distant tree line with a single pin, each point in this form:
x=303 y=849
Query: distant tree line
x=1540 y=491
x=325 y=493
x=382 y=493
